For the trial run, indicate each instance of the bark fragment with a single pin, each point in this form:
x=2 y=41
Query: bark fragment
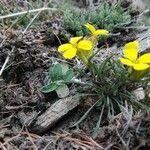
x=58 y=110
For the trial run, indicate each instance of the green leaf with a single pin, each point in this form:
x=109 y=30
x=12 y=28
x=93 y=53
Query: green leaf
x=65 y=68
x=55 y=73
x=69 y=75
x=62 y=91
x=49 y=87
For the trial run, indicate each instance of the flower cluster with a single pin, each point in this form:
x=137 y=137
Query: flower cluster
x=81 y=46
x=131 y=59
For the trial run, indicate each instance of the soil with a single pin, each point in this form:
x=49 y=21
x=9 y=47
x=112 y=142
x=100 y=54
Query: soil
x=21 y=101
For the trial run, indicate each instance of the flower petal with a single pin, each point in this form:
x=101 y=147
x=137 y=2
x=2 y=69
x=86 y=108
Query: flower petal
x=90 y=27
x=101 y=32
x=141 y=66
x=132 y=45
x=64 y=47
x=144 y=58
x=70 y=53
x=126 y=62
x=85 y=45
x=74 y=40
x=131 y=54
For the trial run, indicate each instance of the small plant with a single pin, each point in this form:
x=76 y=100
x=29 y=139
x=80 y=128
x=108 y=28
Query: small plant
x=110 y=80
x=104 y=17
x=59 y=76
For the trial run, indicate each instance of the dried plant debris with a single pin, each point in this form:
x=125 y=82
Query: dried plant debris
x=127 y=132
x=120 y=134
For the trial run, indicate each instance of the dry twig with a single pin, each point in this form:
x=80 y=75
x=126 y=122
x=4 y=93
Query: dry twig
x=30 y=138
x=88 y=142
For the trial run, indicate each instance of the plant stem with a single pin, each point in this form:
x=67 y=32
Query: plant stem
x=25 y=12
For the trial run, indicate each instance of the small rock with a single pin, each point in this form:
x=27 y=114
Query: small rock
x=139 y=93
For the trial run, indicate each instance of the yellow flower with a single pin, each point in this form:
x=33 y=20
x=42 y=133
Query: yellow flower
x=69 y=50
x=131 y=59
x=96 y=32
